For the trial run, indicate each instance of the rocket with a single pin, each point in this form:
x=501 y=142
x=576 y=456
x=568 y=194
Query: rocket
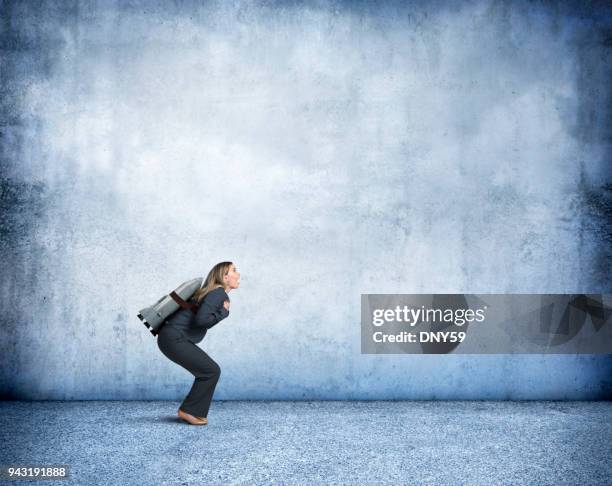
x=154 y=316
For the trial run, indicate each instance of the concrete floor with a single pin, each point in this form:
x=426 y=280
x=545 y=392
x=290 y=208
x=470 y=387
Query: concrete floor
x=361 y=442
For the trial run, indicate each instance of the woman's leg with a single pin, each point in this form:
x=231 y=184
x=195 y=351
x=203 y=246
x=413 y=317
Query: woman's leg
x=175 y=346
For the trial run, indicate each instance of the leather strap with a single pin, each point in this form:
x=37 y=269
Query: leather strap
x=185 y=305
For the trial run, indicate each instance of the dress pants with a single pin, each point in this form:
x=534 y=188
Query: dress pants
x=175 y=345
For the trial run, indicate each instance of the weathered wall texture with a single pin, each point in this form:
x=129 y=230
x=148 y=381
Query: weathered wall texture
x=329 y=149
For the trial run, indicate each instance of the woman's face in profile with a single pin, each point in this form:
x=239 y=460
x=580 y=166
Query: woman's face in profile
x=233 y=277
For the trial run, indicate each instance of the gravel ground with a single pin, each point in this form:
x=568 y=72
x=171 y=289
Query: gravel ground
x=314 y=442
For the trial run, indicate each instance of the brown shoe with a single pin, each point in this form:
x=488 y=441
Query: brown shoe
x=191 y=419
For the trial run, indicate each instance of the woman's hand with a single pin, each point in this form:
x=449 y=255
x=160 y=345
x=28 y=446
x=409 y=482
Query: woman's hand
x=226 y=304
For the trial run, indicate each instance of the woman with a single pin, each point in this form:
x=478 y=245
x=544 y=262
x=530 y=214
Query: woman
x=178 y=337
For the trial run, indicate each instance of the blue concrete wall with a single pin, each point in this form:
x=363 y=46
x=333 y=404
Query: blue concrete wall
x=329 y=149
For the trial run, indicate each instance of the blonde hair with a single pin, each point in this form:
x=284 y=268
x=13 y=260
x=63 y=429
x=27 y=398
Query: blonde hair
x=212 y=281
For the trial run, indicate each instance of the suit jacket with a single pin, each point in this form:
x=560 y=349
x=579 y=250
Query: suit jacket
x=210 y=313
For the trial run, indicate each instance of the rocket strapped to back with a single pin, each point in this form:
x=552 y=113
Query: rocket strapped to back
x=154 y=316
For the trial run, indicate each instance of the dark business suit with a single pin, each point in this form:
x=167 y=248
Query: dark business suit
x=177 y=339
